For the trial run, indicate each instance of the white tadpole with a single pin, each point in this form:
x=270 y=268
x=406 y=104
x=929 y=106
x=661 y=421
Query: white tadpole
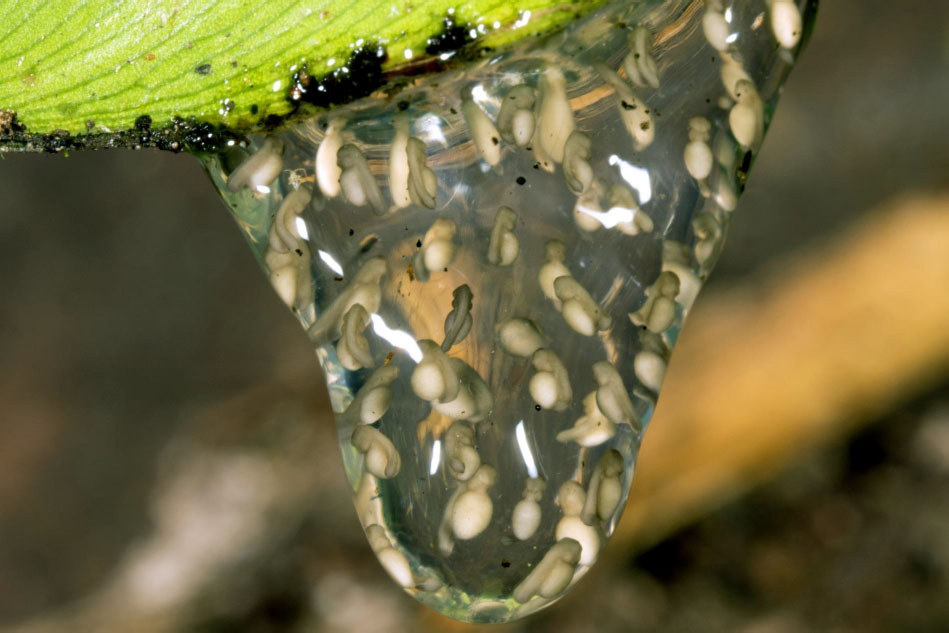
x=715 y=29
x=487 y=139
x=352 y=349
x=731 y=73
x=423 y=184
x=550 y=386
x=435 y=378
x=382 y=459
x=636 y=220
x=592 y=429
x=555 y=254
x=746 y=118
x=373 y=398
x=288 y=255
x=576 y=166
x=698 y=159
x=658 y=311
x=472 y=510
x=571 y=499
x=556 y=116
x=677 y=258
x=579 y=309
x=437 y=250
x=587 y=210
x=393 y=561
x=356 y=180
x=605 y=489
x=460 y=453
x=474 y=401
x=399 y=162
x=786 y=23
x=639 y=63
x=519 y=336
x=503 y=247
x=516 y=116
x=327 y=170
x=553 y=574
x=525 y=519
x=698 y=155
x=612 y=399
x=650 y=369
x=458 y=322
x=364 y=289
x=635 y=114
x=259 y=170
x=709 y=236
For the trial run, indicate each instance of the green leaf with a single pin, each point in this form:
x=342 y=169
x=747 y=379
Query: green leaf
x=97 y=66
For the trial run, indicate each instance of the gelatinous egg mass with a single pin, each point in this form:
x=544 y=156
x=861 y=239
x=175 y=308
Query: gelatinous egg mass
x=493 y=267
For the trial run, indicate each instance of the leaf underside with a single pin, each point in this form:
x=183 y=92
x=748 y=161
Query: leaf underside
x=87 y=67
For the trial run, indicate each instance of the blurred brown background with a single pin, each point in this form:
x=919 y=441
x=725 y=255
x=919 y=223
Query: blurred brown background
x=167 y=461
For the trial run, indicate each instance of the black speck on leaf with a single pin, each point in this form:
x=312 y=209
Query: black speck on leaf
x=203 y=69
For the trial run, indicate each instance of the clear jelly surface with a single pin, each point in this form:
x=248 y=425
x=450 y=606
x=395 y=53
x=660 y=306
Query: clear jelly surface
x=580 y=221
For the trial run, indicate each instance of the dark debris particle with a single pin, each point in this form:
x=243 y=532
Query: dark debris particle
x=536 y=407
x=505 y=563
x=402 y=105
x=254 y=109
x=628 y=106
x=143 y=123
x=452 y=38
x=521 y=180
x=203 y=69
x=352 y=232
x=418 y=244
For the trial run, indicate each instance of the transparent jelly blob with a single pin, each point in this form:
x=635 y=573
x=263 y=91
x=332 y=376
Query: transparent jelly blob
x=494 y=266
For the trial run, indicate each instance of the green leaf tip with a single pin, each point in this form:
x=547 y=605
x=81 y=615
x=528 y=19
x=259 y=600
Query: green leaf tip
x=91 y=73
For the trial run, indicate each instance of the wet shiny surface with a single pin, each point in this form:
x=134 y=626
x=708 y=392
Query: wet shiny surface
x=616 y=222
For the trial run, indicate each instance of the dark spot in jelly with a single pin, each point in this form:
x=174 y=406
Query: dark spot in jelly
x=495 y=140
x=536 y=165
x=521 y=180
x=418 y=244
x=745 y=162
x=403 y=105
x=644 y=125
x=299 y=252
x=254 y=109
x=628 y=106
x=203 y=69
